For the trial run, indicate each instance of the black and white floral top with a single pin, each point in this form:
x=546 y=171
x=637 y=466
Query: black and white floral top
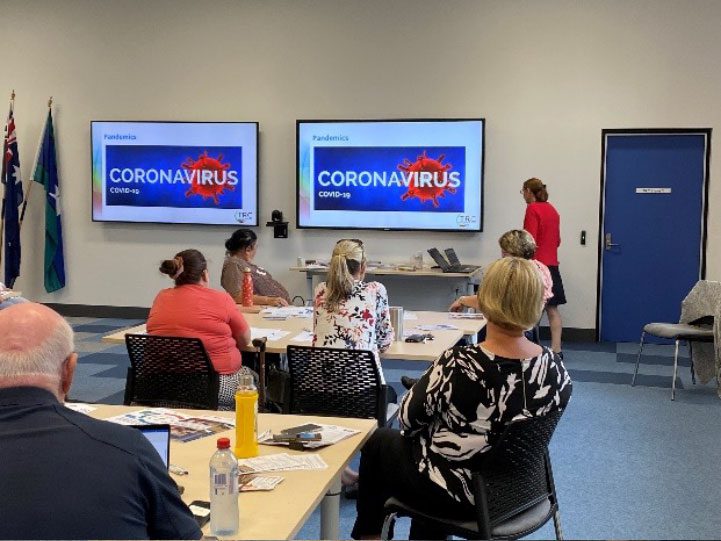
x=360 y=322
x=462 y=403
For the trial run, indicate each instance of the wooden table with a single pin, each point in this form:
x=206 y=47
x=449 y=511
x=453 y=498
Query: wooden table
x=280 y=513
x=428 y=351
x=426 y=272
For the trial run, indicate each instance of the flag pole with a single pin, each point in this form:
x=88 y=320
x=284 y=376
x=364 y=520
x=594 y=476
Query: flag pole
x=2 y=176
x=31 y=180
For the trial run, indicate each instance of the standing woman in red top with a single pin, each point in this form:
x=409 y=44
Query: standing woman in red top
x=543 y=223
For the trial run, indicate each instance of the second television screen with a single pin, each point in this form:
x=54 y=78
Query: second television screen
x=391 y=174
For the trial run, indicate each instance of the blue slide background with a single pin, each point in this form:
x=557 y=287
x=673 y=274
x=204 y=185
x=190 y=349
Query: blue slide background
x=163 y=157
x=384 y=159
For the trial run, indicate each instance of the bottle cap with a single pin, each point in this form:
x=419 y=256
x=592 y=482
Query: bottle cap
x=246 y=381
x=223 y=443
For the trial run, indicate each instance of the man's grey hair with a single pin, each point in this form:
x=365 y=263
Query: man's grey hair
x=44 y=359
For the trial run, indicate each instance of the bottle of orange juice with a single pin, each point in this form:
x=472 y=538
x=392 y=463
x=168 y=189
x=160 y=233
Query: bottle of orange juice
x=246 y=417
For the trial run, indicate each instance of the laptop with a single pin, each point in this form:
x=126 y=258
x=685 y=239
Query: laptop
x=454 y=265
x=159 y=438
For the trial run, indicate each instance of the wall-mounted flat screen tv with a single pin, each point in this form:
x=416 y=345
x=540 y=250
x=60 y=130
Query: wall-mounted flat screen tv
x=175 y=172
x=390 y=174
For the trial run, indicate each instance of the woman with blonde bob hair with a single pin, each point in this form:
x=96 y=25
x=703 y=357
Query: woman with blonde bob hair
x=460 y=406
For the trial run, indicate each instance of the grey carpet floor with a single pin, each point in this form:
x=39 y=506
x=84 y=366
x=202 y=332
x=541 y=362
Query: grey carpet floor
x=628 y=462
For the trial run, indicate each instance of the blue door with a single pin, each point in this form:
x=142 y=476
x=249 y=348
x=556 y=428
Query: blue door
x=653 y=227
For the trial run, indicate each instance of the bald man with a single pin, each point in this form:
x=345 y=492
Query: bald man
x=63 y=474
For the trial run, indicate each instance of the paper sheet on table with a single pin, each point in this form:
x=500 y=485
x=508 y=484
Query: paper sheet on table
x=80 y=407
x=305 y=336
x=409 y=316
x=270 y=334
x=286 y=312
x=437 y=327
x=250 y=482
x=281 y=462
x=466 y=315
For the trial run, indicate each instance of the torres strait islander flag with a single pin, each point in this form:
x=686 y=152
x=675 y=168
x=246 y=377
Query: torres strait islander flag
x=46 y=173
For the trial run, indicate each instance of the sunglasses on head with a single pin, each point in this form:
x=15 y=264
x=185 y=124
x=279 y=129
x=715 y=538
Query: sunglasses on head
x=357 y=241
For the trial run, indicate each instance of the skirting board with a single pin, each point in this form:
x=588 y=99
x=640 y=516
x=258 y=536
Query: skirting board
x=136 y=312
x=89 y=310
x=571 y=334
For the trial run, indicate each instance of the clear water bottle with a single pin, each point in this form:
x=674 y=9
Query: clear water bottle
x=223 y=490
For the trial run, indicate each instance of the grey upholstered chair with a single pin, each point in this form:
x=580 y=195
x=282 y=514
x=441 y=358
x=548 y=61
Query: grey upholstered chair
x=699 y=329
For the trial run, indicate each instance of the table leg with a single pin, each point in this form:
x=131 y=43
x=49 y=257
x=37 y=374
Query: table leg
x=469 y=287
x=309 y=278
x=330 y=512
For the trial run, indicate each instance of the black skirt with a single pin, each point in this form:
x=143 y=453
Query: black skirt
x=559 y=295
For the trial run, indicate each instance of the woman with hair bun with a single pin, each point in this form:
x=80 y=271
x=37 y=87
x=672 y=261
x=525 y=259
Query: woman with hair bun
x=192 y=309
x=542 y=221
x=241 y=248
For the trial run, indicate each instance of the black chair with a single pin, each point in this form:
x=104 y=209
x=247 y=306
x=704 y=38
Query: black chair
x=337 y=382
x=169 y=371
x=513 y=487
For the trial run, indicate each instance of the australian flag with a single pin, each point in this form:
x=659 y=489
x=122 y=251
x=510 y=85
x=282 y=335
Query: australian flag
x=12 y=199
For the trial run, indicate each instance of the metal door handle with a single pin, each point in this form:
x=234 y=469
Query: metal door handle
x=610 y=244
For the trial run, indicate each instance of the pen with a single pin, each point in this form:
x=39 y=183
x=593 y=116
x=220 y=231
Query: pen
x=177 y=470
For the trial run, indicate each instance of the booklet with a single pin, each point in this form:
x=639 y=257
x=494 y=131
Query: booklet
x=329 y=434
x=182 y=427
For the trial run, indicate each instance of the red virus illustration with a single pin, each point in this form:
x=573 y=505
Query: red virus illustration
x=208 y=176
x=427 y=191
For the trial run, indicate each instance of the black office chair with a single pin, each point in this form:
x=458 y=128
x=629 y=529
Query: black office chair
x=169 y=371
x=513 y=487
x=337 y=382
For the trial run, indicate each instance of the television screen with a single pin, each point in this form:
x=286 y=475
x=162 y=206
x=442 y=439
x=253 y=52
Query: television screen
x=175 y=172
x=390 y=174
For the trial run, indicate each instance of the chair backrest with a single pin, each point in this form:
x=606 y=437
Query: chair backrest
x=170 y=371
x=338 y=382
x=515 y=474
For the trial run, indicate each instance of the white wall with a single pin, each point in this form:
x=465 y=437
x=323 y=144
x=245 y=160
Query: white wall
x=548 y=77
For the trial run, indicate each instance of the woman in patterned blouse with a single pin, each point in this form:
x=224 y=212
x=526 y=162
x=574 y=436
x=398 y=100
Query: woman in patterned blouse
x=460 y=406
x=350 y=313
x=241 y=249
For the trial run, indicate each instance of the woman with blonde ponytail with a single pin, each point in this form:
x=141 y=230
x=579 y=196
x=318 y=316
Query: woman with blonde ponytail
x=350 y=313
